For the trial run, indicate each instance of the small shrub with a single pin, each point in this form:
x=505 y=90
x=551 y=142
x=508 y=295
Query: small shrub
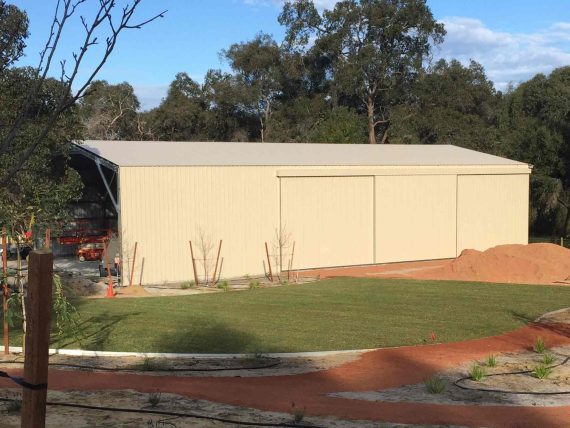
x=254 y=285
x=298 y=414
x=539 y=346
x=153 y=365
x=15 y=405
x=435 y=385
x=477 y=373
x=542 y=371
x=548 y=359
x=224 y=286
x=259 y=355
x=186 y=285
x=491 y=361
x=154 y=399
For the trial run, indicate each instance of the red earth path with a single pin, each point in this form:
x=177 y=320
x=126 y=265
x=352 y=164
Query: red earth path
x=375 y=370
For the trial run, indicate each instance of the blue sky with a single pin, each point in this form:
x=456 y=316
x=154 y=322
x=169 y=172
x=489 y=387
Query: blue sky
x=513 y=39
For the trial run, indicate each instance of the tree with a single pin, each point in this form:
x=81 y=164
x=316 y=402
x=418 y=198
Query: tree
x=228 y=117
x=42 y=191
x=180 y=116
x=258 y=66
x=339 y=125
x=17 y=144
x=376 y=48
x=535 y=128
x=13 y=33
x=452 y=104
x=109 y=112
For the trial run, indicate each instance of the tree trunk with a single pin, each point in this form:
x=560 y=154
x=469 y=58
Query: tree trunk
x=566 y=223
x=371 y=125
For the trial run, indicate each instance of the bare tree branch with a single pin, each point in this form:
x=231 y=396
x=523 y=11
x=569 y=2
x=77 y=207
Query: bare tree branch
x=67 y=99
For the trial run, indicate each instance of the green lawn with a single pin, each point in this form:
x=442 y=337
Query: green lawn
x=343 y=313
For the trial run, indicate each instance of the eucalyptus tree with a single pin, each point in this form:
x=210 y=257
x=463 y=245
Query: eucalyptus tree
x=181 y=114
x=535 y=127
x=109 y=112
x=258 y=65
x=451 y=104
x=376 y=49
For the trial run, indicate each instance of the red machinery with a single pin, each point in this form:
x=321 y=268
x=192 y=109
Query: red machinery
x=85 y=236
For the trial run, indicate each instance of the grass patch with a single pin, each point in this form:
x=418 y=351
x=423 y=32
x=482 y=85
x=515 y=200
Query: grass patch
x=154 y=365
x=341 y=313
x=435 y=385
x=539 y=346
x=491 y=361
x=154 y=399
x=477 y=373
x=548 y=359
x=542 y=371
x=15 y=405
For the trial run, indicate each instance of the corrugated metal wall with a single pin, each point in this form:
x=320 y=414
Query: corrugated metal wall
x=336 y=217
x=491 y=210
x=415 y=217
x=163 y=208
x=331 y=218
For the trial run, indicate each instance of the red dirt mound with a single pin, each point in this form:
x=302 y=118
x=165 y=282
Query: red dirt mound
x=523 y=264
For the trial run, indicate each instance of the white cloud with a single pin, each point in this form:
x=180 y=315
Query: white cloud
x=507 y=57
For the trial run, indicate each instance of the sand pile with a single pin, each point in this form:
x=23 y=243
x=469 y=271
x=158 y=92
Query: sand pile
x=523 y=264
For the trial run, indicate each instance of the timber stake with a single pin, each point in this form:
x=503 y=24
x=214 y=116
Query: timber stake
x=5 y=292
x=39 y=298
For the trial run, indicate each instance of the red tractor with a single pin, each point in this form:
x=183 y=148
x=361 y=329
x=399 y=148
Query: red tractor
x=90 y=252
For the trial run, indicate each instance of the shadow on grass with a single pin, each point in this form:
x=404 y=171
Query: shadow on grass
x=91 y=333
x=211 y=338
x=519 y=316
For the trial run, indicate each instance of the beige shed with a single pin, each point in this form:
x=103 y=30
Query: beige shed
x=341 y=204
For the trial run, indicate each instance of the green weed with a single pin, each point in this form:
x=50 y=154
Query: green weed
x=435 y=385
x=153 y=365
x=254 y=285
x=539 y=346
x=542 y=372
x=154 y=399
x=491 y=361
x=477 y=373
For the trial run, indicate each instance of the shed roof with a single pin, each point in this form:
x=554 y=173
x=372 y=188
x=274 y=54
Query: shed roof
x=170 y=153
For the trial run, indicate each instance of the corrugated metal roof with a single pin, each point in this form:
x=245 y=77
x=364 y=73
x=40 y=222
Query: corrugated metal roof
x=169 y=153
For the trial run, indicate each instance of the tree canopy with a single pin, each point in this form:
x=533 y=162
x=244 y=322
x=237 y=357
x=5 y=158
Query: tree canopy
x=376 y=49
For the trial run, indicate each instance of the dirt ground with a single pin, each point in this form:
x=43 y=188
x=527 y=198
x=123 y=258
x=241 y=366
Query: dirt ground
x=83 y=418
x=379 y=388
x=517 y=264
x=164 y=402
x=248 y=366
x=522 y=389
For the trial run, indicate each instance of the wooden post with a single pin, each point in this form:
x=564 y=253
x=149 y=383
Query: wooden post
x=133 y=265
x=220 y=271
x=193 y=265
x=48 y=238
x=5 y=291
x=268 y=263
x=292 y=256
x=142 y=271
x=110 y=292
x=40 y=282
x=217 y=261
